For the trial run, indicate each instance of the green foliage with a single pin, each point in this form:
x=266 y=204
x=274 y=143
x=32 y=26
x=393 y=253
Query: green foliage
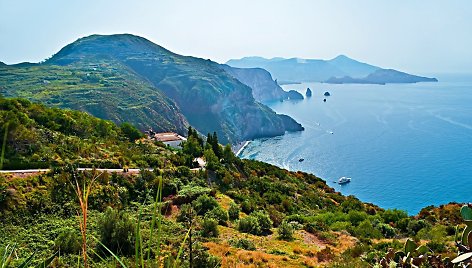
x=117 y=230
x=393 y=215
x=205 y=203
x=233 y=212
x=218 y=214
x=212 y=161
x=131 y=132
x=210 y=227
x=257 y=223
x=285 y=231
x=250 y=225
x=68 y=242
x=187 y=214
x=242 y=243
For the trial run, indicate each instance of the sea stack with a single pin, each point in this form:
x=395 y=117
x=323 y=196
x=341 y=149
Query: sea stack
x=308 y=92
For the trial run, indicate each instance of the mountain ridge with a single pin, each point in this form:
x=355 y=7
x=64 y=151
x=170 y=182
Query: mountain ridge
x=204 y=95
x=317 y=70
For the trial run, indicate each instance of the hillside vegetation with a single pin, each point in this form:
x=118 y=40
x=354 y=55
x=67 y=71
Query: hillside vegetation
x=234 y=212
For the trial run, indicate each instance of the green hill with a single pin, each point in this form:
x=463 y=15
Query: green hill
x=128 y=78
x=40 y=137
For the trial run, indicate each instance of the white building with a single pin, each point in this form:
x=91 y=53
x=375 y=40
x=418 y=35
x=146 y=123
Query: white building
x=170 y=138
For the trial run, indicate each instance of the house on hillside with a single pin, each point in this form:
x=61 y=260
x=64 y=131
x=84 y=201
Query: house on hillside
x=169 y=138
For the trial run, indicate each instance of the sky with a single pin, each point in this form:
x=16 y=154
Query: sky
x=423 y=37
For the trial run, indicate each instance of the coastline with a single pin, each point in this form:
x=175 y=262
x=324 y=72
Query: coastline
x=239 y=148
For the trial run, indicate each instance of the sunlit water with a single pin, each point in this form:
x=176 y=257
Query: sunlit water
x=405 y=146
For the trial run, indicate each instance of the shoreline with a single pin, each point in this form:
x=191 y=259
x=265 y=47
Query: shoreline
x=241 y=147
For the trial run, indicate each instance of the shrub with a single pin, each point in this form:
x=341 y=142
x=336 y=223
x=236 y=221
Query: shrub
x=210 y=227
x=204 y=203
x=285 y=231
x=341 y=225
x=218 y=214
x=393 y=215
x=386 y=230
x=248 y=206
x=314 y=227
x=250 y=225
x=257 y=223
x=233 y=212
x=264 y=221
x=366 y=230
x=356 y=217
x=242 y=243
x=116 y=231
x=187 y=213
x=325 y=254
x=68 y=242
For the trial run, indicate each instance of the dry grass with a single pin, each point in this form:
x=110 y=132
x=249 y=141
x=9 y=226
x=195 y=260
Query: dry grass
x=303 y=251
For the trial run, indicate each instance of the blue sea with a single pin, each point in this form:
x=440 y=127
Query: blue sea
x=405 y=146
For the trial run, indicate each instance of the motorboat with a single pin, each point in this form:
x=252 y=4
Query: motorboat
x=344 y=180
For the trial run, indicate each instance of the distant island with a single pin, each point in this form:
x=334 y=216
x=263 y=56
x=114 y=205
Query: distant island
x=340 y=70
x=381 y=77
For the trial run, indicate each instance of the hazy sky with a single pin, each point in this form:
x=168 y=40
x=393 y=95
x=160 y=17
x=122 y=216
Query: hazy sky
x=415 y=36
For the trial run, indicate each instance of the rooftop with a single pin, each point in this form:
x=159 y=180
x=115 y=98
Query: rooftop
x=168 y=136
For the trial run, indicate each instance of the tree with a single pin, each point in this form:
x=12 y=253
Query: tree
x=215 y=145
x=228 y=154
x=131 y=132
x=212 y=161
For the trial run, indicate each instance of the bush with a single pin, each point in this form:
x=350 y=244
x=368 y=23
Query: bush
x=242 y=243
x=187 y=213
x=204 y=203
x=218 y=214
x=285 y=231
x=264 y=221
x=116 y=231
x=386 y=230
x=250 y=225
x=315 y=227
x=393 y=215
x=68 y=242
x=210 y=227
x=366 y=230
x=233 y=212
x=341 y=225
x=257 y=223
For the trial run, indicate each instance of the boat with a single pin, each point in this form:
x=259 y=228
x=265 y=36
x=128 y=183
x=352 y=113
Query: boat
x=344 y=180
x=301 y=160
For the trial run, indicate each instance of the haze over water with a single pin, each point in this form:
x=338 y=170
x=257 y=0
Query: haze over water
x=405 y=146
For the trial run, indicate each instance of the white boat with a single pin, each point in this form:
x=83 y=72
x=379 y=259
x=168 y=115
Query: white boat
x=344 y=180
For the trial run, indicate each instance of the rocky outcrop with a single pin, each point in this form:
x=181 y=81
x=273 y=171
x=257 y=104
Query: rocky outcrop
x=264 y=88
x=294 y=95
x=308 y=92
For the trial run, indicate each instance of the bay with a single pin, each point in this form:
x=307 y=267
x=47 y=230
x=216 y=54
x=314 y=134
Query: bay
x=405 y=146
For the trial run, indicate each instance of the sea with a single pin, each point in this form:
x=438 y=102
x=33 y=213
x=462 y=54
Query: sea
x=405 y=146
